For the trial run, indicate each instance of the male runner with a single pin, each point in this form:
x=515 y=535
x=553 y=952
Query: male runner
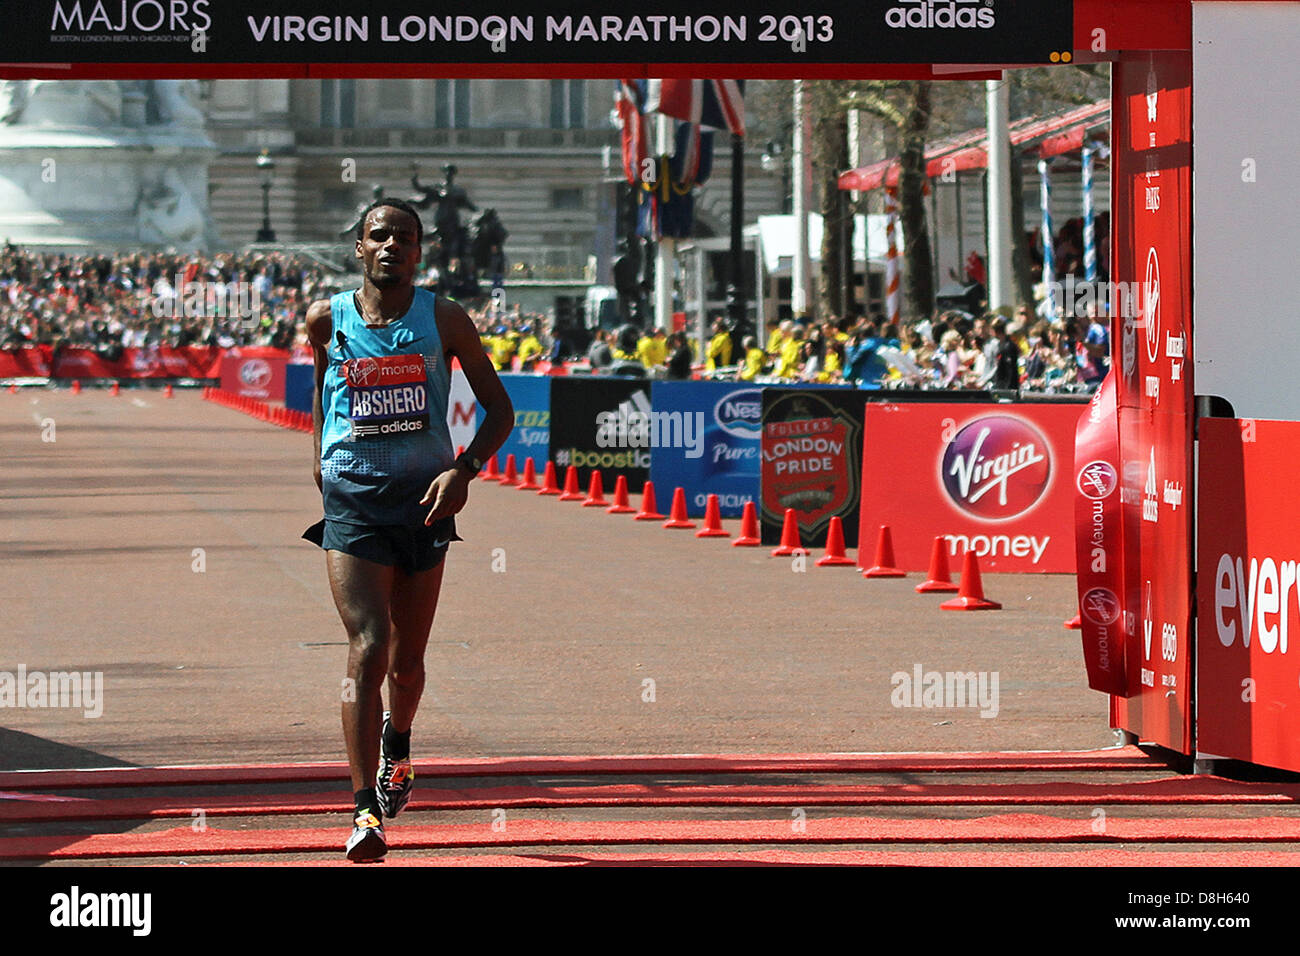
x=391 y=485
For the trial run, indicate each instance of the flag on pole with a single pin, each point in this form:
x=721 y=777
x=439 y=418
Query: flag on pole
x=892 y=297
x=715 y=104
x=630 y=103
x=1049 y=250
x=1089 y=221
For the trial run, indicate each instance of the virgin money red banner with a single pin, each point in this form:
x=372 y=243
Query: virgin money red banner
x=1099 y=549
x=1248 y=601
x=255 y=376
x=1152 y=210
x=997 y=480
x=25 y=363
x=162 y=362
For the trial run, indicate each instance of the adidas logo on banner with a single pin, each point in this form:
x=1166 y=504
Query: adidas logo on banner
x=942 y=15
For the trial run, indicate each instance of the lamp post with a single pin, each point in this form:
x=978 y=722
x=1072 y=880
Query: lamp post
x=266 y=168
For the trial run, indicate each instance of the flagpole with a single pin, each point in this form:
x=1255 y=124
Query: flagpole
x=801 y=158
x=999 y=199
x=665 y=247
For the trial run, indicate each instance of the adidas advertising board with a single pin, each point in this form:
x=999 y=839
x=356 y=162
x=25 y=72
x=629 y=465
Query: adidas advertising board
x=600 y=427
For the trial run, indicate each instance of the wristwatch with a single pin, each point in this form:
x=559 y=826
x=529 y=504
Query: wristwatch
x=466 y=460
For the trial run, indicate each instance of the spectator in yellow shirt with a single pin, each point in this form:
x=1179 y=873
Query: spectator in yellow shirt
x=754 y=358
x=719 y=347
x=652 y=349
x=791 y=352
x=530 y=349
x=777 y=338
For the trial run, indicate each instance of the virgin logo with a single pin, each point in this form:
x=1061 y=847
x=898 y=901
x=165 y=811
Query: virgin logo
x=1151 y=290
x=1101 y=606
x=255 y=373
x=997 y=467
x=363 y=372
x=1097 y=480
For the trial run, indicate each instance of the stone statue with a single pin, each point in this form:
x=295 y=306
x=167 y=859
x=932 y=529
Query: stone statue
x=61 y=103
x=350 y=231
x=166 y=213
x=488 y=245
x=451 y=200
x=176 y=103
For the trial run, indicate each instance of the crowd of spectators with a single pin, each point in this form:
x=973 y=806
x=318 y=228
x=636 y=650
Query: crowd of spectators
x=111 y=302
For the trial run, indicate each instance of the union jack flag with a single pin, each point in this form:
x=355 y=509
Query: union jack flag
x=716 y=104
x=630 y=103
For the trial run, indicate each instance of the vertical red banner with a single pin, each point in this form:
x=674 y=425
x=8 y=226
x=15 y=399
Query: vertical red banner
x=1151 y=324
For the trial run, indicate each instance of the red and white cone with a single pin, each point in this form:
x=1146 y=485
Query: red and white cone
x=530 y=477
x=790 y=542
x=549 y=487
x=712 y=520
x=649 y=509
x=596 y=491
x=835 y=556
x=971 y=595
x=621 y=505
x=884 y=566
x=678 y=518
x=939 y=579
x=749 y=533
x=493 y=470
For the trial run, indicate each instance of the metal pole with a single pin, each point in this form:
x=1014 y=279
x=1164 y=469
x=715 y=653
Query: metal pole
x=736 y=305
x=802 y=163
x=1000 y=288
x=666 y=248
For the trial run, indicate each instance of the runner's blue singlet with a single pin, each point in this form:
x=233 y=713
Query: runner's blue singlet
x=384 y=400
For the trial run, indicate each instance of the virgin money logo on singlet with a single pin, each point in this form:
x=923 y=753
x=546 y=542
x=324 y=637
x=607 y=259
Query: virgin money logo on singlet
x=387 y=395
x=997 y=467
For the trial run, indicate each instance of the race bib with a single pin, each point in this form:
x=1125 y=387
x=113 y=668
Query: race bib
x=387 y=395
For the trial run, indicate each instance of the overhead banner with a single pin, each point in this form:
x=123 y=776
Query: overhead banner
x=721 y=424
x=811 y=452
x=406 y=31
x=1099 y=546
x=1151 y=140
x=994 y=479
x=1248 y=602
x=605 y=423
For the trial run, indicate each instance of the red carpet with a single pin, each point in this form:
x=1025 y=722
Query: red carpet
x=1121 y=758
x=1170 y=791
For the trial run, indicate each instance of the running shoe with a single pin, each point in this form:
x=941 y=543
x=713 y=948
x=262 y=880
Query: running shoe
x=394 y=781
x=367 y=841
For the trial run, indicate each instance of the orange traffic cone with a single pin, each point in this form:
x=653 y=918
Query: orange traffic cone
x=115 y=389
x=835 y=556
x=167 y=390
x=884 y=566
x=13 y=389
x=1075 y=623
x=492 y=471
x=571 y=492
x=649 y=509
x=621 y=505
x=677 y=517
x=712 y=520
x=596 y=491
x=549 y=487
x=939 y=579
x=749 y=536
x=790 y=542
x=76 y=386
x=511 y=477
x=530 y=476
x=971 y=596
